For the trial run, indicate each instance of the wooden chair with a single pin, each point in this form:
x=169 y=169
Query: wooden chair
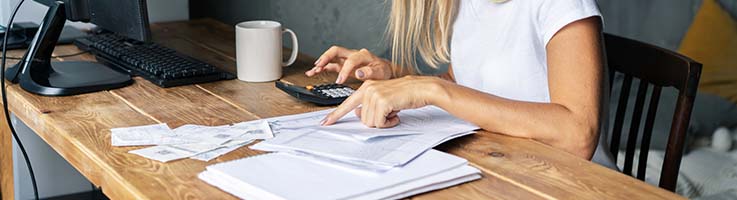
x=661 y=68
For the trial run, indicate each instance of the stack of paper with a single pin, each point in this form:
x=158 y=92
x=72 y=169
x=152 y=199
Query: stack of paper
x=351 y=142
x=348 y=160
x=287 y=176
x=194 y=141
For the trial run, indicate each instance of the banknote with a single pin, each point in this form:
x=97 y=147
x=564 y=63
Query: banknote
x=194 y=141
x=157 y=134
x=162 y=153
x=207 y=156
x=254 y=130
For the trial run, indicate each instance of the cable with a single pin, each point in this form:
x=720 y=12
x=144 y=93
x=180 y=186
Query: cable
x=59 y=56
x=5 y=101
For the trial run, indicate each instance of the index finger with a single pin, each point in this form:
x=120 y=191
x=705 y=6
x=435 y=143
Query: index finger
x=332 y=53
x=353 y=61
x=348 y=105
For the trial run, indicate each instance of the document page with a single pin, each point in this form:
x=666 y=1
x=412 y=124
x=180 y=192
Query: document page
x=415 y=121
x=351 y=141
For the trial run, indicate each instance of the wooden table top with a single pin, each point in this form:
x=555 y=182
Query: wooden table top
x=78 y=128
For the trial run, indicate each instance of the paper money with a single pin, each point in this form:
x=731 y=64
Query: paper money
x=207 y=134
x=195 y=141
x=255 y=130
x=197 y=147
x=207 y=156
x=157 y=134
x=162 y=153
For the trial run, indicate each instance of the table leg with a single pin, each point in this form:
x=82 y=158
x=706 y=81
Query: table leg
x=6 y=160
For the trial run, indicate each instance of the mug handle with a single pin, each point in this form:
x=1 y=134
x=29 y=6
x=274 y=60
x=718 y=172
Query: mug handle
x=295 y=48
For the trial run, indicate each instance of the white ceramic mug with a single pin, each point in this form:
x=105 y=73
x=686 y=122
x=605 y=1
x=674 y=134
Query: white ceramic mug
x=258 y=47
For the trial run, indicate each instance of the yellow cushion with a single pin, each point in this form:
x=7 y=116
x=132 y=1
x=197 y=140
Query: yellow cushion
x=712 y=41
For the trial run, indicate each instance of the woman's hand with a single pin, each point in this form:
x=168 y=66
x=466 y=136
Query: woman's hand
x=361 y=64
x=380 y=101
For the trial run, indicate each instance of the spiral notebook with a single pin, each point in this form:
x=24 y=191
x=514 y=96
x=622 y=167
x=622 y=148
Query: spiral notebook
x=288 y=176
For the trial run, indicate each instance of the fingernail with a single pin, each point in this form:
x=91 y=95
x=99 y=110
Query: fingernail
x=338 y=79
x=359 y=74
x=323 y=121
x=317 y=61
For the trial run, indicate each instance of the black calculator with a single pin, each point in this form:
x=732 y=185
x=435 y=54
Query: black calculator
x=323 y=95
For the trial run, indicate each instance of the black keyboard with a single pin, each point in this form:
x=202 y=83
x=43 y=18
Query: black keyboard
x=158 y=64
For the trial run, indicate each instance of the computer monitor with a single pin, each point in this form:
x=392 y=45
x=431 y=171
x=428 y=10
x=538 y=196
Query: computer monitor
x=37 y=74
x=127 y=18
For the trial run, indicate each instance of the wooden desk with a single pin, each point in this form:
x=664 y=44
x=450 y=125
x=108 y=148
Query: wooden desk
x=78 y=127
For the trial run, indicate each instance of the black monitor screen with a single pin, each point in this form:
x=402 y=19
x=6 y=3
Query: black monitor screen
x=126 y=17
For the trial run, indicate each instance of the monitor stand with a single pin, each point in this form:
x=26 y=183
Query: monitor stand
x=37 y=74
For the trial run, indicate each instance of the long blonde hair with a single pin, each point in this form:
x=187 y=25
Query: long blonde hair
x=420 y=27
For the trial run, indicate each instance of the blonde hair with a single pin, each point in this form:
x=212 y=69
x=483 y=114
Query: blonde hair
x=420 y=26
x=424 y=27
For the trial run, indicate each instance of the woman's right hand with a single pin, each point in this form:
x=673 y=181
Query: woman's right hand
x=360 y=64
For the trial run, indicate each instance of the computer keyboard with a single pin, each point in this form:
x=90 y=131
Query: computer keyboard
x=160 y=65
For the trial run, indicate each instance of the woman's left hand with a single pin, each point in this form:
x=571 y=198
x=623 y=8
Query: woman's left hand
x=377 y=102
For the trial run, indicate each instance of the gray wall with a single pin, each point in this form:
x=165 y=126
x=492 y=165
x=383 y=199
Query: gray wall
x=54 y=175
x=31 y=11
x=318 y=23
x=361 y=23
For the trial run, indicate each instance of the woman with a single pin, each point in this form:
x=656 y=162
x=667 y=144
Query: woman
x=524 y=68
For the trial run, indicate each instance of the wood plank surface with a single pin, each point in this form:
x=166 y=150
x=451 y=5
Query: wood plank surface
x=78 y=128
x=548 y=171
x=180 y=105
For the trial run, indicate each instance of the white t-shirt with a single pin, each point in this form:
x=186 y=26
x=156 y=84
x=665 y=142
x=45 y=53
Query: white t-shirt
x=499 y=48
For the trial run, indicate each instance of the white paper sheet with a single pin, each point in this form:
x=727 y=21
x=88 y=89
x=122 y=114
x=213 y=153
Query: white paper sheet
x=254 y=130
x=296 y=177
x=224 y=149
x=195 y=141
x=162 y=153
x=370 y=148
x=413 y=122
x=207 y=134
x=157 y=134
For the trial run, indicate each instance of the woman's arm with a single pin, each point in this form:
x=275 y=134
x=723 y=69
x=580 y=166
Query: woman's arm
x=571 y=120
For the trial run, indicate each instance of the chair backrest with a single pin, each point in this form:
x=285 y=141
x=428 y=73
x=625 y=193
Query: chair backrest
x=660 y=68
